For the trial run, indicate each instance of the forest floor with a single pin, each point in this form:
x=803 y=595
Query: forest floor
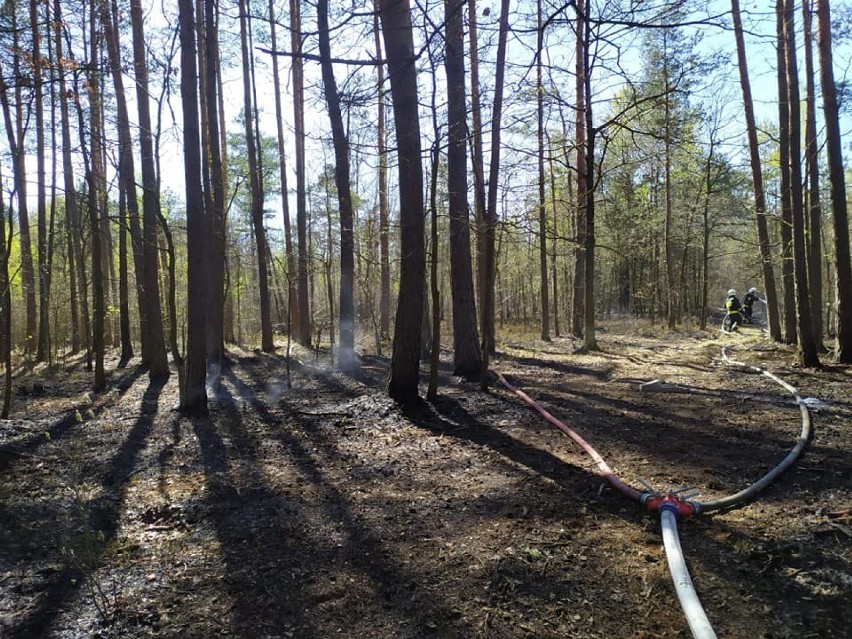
x=324 y=510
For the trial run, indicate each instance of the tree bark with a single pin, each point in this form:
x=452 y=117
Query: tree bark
x=303 y=315
x=289 y=251
x=96 y=184
x=228 y=319
x=490 y=226
x=256 y=185
x=384 y=226
x=671 y=289
x=466 y=356
x=807 y=350
x=787 y=265
x=15 y=135
x=53 y=348
x=77 y=275
x=215 y=194
x=553 y=205
x=5 y=311
x=123 y=284
x=346 y=358
x=399 y=45
x=158 y=363
x=757 y=180
x=843 y=264
x=589 y=338
x=435 y=354
x=127 y=180
x=542 y=208
x=126 y=176
x=193 y=397
x=43 y=345
x=477 y=161
x=578 y=311
x=705 y=229
x=813 y=219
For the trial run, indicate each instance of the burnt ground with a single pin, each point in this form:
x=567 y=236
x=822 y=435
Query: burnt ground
x=324 y=510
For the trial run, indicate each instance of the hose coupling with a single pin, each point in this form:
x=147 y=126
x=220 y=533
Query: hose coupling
x=643 y=499
x=671 y=502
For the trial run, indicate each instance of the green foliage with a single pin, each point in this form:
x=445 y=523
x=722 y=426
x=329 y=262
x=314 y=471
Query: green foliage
x=535 y=554
x=239 y=185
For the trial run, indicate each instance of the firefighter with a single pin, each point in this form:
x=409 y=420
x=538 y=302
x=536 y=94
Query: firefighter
x=734 y=316
x=748 y=301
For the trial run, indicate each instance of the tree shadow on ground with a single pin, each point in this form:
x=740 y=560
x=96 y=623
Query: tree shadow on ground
x=60 y=429
x=564 y=368
x=656 y=430
x=796 y=568
x=97 y=525
x=451 y=419
x=283 y=566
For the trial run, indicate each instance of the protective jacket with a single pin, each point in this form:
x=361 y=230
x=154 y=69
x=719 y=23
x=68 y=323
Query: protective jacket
x=733 y=305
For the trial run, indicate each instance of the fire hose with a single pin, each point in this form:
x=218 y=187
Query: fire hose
x=674 y=506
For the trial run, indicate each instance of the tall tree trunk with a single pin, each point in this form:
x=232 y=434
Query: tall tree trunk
x=15 y=135
x=96 y=184
x=787 y=265
x=329 y=252
x=54 y=179
x=303 y=315
x=78 y=220
x=553 y=265
x=126 y=173
x=671 y=288
x=589 y=338
x=127 y=176
x=477 y=158
x=578 y=308
x=256 y=185
x=193 y=397
x=399 y=45
x=346 y=358
x=158 y=362
x=435 y=354
x=705 y=259
x=813 y=218
x=542 y=208
x=228 y=292
x=843 y=264
x=466 y=356
x=807 y=350
x=489 y=249
x=384 y=225
x=285 y=196
x=267 y=252
x=204 y=129
x=171 y=297
x=123 y=284
x=76 y=266
x=768 y=271
x=43 y=345
x=5 y=310
x=705 y=231
x=213 y=171
x=71 y=261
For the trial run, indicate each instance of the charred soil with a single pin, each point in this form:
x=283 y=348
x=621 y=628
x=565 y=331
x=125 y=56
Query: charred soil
x=323 y=509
